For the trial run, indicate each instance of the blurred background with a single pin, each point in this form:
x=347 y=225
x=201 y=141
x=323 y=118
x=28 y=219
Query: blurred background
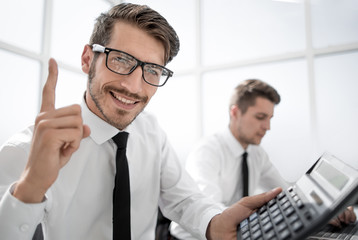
x=307 y=50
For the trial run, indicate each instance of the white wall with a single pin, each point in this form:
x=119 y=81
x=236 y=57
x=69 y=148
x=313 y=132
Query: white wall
x=308 y=50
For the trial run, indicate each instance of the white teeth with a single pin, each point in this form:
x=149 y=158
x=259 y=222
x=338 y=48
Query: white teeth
x=123 y=100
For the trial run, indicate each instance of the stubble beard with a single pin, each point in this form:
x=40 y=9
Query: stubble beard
x=118 y=122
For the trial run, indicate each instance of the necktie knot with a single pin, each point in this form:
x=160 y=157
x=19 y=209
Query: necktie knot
x=244 y=155
x=121 y=140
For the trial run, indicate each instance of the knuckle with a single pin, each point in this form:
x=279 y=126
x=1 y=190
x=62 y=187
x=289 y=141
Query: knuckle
x=41 y=123
x=76 y=108
x=39 y=118
x=78 y=121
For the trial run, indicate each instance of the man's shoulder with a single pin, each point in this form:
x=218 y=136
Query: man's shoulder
x=20 y=139
x=211 y=145
x=14 y=152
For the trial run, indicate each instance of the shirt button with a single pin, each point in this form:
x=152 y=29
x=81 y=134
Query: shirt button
x=24 y=227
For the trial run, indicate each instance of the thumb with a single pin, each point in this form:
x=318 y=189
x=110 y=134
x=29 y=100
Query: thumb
x=86 y=131
x=49 y=89
x=254 y=202
x=247 y=205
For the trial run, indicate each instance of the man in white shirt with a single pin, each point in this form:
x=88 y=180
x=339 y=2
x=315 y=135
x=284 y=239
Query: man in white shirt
x=60 y=172
x=216 y=162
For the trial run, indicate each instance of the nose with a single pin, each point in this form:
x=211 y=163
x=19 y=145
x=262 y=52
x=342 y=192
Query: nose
x=134 y=82
x=266 y=124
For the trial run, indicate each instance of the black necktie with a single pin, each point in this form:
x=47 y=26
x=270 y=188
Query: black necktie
x=245 y=175
x=121 y=192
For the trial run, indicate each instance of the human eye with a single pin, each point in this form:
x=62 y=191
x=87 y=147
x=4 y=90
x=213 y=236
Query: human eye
x=122 y=60
x=153 y=70
x=261 y=117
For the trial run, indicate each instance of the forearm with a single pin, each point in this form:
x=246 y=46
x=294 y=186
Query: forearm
x=28 y=193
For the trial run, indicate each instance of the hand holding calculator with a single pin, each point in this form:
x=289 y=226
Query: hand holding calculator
x=325 y=190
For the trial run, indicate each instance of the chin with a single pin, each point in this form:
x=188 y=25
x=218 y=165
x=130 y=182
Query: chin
x=257 y=142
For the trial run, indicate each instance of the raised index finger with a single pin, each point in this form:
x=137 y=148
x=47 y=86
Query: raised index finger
x=49 y=89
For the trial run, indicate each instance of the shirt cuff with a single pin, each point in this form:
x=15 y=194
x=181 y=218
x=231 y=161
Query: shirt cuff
x=18 y=220
x=206 y=220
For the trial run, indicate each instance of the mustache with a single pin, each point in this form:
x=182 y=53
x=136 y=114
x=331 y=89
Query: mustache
x=127 y=93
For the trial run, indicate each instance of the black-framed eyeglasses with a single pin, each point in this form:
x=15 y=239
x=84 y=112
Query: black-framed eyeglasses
x=123 y=63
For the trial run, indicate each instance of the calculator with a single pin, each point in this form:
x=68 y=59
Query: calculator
x=329 y=232
x=325 y=190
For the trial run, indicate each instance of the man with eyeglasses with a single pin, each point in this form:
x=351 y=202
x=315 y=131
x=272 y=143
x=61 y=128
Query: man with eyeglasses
x=60 y=172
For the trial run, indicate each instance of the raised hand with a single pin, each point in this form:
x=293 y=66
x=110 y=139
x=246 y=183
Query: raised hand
x=57 y=135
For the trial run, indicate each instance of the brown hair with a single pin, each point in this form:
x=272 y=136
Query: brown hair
x=144 y=18
x=245 y=94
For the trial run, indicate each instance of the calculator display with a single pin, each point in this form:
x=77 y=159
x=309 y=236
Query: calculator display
x=335 y=177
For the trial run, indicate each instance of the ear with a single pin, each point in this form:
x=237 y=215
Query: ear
x=86 y=58
x=234 y=111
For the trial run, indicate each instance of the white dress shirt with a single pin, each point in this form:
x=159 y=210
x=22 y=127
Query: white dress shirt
x=215 y=165
x=79 y=203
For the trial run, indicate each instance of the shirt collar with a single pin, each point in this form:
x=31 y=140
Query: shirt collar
x=234 y=145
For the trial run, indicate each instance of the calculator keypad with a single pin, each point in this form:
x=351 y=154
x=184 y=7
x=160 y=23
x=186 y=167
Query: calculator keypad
x=281 y=219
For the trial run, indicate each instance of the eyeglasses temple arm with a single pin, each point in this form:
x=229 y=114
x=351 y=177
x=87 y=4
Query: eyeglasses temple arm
x=98 y=48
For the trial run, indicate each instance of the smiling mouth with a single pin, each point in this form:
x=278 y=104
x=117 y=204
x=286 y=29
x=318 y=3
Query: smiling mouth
x=261 y=135
x=123 y=100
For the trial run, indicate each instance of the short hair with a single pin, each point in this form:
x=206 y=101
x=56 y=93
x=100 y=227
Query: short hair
x=246 y=92
x=144 y=18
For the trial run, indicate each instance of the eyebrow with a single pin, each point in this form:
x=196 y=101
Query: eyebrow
x=263 y=114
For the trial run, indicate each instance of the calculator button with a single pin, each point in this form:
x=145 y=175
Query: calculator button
x=273 y=207
x=254 y=222
x=308 y=215
x=270 y=235
x=296 y=226
x=278 y=219
x=275 y=213
x=285 y=234
x=255 y=228
x=282 y=227
x=244 y=223
x=281 y=195
x=289 y=211
x=286 y=205
x=265 y=220
x=293 y=218
x=271 y=202
x=253 y=216
x=245 y=228
x=267 y=227
x=262 y=209
x=264 y=214
x=246 y=235
x=283 y=200
x=334 y=235
x=300 y=204
x=256 y=235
